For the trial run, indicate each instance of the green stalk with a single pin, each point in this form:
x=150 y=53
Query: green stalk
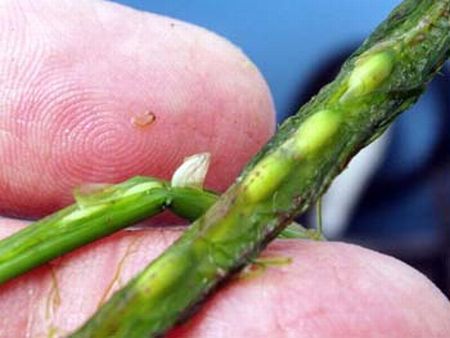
x=381 y=79
x=94 y=216
x=102 y=213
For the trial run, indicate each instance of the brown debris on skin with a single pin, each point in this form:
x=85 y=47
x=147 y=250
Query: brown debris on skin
x=143 y=120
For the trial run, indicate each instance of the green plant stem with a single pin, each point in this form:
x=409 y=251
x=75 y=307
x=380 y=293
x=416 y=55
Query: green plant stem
x=100 y=214
x=383 y=78
x=94 y=216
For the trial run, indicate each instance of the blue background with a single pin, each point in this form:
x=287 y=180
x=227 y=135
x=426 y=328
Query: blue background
x=287 y=40
x=404 y=211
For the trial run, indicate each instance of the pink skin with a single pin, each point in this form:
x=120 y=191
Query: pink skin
x=78 y=82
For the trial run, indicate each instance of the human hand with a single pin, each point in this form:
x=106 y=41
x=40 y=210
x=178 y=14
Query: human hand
x=81 y=83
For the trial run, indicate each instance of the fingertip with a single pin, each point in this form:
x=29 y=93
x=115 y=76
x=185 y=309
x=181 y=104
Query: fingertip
x=329 y=290
x=115 y=93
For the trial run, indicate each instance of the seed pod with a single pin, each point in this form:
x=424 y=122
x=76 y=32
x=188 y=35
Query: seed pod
x=266 y=177
x=316 y=131
x=369 y=74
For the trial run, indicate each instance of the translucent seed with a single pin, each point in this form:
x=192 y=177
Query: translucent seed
x=315 y=132
x=369 y=73
x=264 y=179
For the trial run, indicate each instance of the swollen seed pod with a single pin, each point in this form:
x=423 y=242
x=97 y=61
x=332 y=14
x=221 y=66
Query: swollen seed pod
x=316 y=132
x=369 y=73
x=265 y=178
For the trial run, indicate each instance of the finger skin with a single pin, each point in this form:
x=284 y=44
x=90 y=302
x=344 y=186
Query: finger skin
x=96 y=92
x=80 y=82
x=329 y=290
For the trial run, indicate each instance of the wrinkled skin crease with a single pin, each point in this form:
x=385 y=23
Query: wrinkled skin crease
x=75 y=79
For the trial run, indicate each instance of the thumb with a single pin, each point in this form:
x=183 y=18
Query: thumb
x=95 y=92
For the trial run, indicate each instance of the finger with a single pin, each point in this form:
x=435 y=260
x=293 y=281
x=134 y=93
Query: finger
x=329 y=290
x=96 y=92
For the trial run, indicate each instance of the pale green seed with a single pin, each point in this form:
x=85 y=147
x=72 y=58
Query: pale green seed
x=316 y=132
x=169 y=270
x=266 y=177
x=369 y=73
